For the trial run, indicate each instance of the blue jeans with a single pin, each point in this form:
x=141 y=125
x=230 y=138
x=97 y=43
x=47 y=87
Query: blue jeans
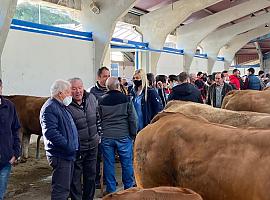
x=124 y=149
x=4 y=175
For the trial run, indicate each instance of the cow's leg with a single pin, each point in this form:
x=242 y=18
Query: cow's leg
x=38 y=143
x=25 y=144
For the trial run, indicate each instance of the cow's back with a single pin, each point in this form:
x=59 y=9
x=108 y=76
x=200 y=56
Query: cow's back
x=217 y=115
x=218 y=162
x=248 y=100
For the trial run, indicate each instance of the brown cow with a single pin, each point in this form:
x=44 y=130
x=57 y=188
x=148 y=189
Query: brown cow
x=28 y=108
x=159 y=193
x=247 y=100
x=218 y=162
x=217 y=115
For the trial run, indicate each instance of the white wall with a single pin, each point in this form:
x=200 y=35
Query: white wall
x=31 y=62
x=199 y=65
x=218 y=67
x=170 y=64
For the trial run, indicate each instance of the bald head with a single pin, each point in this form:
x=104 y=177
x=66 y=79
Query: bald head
x=112 y=83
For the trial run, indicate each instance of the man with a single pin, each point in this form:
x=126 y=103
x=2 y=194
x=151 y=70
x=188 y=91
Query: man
x=217 y=91
x=200 y=84
x=161 y=85
x=60 y=138
x=261 y=78
x=185 y=91
x=173 y=80
x=119 y=126
x=252 y=82
x=235 y=79
x=98 y=91
x=192 y=79
x=100 y=88
x=9 y=140
x=84 y=113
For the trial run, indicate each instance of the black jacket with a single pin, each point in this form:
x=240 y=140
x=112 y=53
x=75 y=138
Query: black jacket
x=98 y=91
x=118 y=116
x=186 y=92
x=211 y=96
x=85 y=119
x=9 y=132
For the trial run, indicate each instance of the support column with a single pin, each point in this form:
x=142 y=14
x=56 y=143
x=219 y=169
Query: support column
x=190 y=35
x=157 y=24
x=231 y=48
x=216 y=40
x=7 y=11
x=259 y=50
x=145 y=61
x=102 y=25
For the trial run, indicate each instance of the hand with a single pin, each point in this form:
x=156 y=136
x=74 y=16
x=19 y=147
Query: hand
x=12 y=160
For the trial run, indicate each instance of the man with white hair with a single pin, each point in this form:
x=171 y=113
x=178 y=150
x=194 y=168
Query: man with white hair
x=119 y=126
x=84 y=113
x=60 y=138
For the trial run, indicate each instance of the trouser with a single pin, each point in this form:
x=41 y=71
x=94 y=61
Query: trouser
x=61 y=177
x=85 y=165
x=124 y=149
x=99 y=159
x=4 y=175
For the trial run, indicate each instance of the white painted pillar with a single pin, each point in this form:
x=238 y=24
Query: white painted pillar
x=157 y=24
x=231 y=48
x=217 y=39
x=145 y=61
x=7 y=11
x=259 y=50
x=190 y=35
x=102 y=25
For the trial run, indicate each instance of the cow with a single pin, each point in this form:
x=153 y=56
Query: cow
x=217 y=115
x=158 y=193
x=28 y=108
x=247 y=100
x=219 y=162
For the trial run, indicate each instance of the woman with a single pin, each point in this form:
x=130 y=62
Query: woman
x=146 y=100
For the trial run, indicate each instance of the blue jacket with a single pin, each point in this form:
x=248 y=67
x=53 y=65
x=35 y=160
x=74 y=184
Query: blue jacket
x=253 y=82
x=59 y=130
x=151 y=107
x=9 y=132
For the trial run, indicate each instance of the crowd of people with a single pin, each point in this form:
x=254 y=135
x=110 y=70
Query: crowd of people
x=82 y=127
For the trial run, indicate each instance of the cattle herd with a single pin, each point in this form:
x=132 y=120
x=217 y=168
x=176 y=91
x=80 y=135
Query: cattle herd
x=220 y=154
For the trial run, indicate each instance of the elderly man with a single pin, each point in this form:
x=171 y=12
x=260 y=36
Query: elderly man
x=119 y=127
x=217 y=91
x=84 y=112
x=9 y=140
x=60 y=138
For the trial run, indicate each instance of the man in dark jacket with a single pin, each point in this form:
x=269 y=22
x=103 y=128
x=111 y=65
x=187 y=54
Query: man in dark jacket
x=84 y=113
x=60 y=138
x=217 y=91
x=9 y=140
x=98 y=91
x=100 y=88
x=119 y=126
x=185 y=91
x=252 y=82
